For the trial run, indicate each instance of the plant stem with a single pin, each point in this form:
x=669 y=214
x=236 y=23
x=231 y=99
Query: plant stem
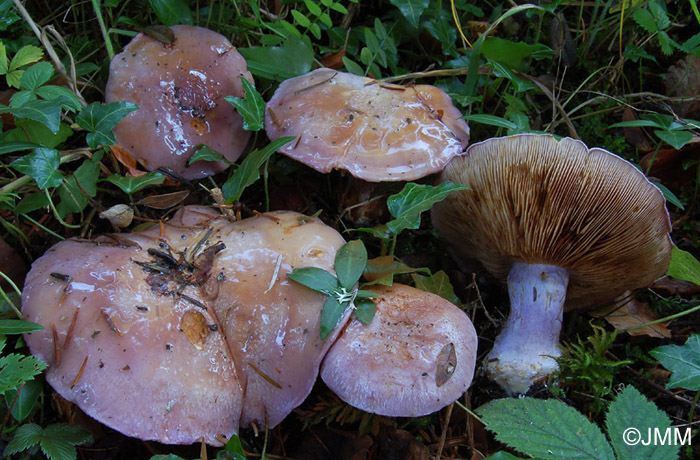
x=662 y=320
x=103 y=29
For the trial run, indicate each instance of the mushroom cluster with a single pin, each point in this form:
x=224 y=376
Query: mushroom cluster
x=568 y=227
x=179 y=88
x=184 y=331
x=375 y=131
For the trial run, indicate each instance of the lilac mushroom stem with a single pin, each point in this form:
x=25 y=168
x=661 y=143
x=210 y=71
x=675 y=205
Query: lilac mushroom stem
x=529 y=343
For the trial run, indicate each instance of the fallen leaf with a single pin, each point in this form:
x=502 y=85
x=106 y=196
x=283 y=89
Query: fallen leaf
x=165 y=200
x=119 y=215
x=629 y=313
x=126 y=159
x=12 y=265
x=671 y=166
x=635 y=135
x=672 y=286
x=683 y=80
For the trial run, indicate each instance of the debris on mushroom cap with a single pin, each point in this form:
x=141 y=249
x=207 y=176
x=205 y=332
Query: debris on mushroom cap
x=180 y=89
x=157 y=335
x=534 y=199
x=376 y=131
x=415 y=357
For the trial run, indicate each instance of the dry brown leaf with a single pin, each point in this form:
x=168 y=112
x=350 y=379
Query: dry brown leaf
x=670 y=165
x=683 y=80
x=672 y=286
x=635 y=135
x=12 y=265
x=632 y=313
x=125 y=158
x=119 y=215
x=165 y=200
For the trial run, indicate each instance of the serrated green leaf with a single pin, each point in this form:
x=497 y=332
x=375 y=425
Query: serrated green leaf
x=684 y=266
x=100 y=119
x=205 y=153
x=130 y=184
x=411 y=10
x=42 y=166
x=47 y=113
x=407 y=205
x=69 y=433
x=665 y=42
x=26 y=436
x=68 y=100
x=683 y=361
x=315 y=278
x=350 y=261
x=294 y=57
x=36 y=75
x=172 y=12
x=548 y=429
x=438 y=283
x=18 y=326
x=16 y=369
x=631 y=411
x=249 y=170
x=25 y=56
x=365 y=310
x=4 y=63
x=645 y=19
x=25 y=402
x=330 y=315
x=252 y=108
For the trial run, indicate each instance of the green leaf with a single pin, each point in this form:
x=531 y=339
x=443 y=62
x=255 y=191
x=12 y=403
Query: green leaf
x=631 y=414
x=491 y=120
x=350 y=261
x=315 y=278
x=330 y=315
x=684 y=266
x=25 y=402
x=545 y=428
x=252 y=108
x=249 y=170
x=294 y=57
x=669 y=195
x=36 y=75
x=381 y=270
x=47 y=113
x=26 y=436
x=514 y=55
x=18 y=326
x=41 y=165
x=301 y=18
x=100 y=119
x=65 y=96
x=25 y=56
x=676 y=139
x=11 y=147
x=439 y=284
x=59 y=439
x=16 y=369
x=645 y=19
x=411 y=10
x=172 y=12
x=636 y=124
x=683 y=361
x=365 y=310
x=131 y=185
x=407 y=205
x=205 y=153
x=38 y=133
x=234 y=448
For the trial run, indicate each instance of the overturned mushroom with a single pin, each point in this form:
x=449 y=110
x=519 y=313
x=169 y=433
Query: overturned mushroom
x=180 y=89
x=567 y=226
x=375 y=131
x=415 y=357
x=171 y=334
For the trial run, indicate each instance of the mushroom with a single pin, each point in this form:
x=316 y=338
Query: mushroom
x=567 y=226
x=415 y=357
x=375 y=131
x=180 y=89
x=176 y=333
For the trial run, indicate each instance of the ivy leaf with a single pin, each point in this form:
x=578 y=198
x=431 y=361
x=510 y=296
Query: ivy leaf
x=350 y=261
x=252 y=108
x=683 y=361
x=172 y=12
x=131 y=184
x=57 y=441
x=547 y=429
x=100 y=119
x=631 y=410
x=18 y=326
x=205 y=153
x=330 y=315
x=438 y=283
x=294 y=57
x=684 y=266
x=365 y=310
x=48 y=113
x=411 y=10
x=249 y=170
x=407 y=205
x=676 y=138
x=41 y=165
x=315 y=278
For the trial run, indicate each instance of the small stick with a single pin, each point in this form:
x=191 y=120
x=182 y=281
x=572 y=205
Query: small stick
x=69 y=335
x=56 y=347
x=80 y=372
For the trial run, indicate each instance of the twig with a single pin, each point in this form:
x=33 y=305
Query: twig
x=443 y=435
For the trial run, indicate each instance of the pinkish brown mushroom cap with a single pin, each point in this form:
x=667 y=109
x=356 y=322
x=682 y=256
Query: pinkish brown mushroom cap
x=177 y=336
x=376 y=131
x=415 y=357
x=180 y=89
